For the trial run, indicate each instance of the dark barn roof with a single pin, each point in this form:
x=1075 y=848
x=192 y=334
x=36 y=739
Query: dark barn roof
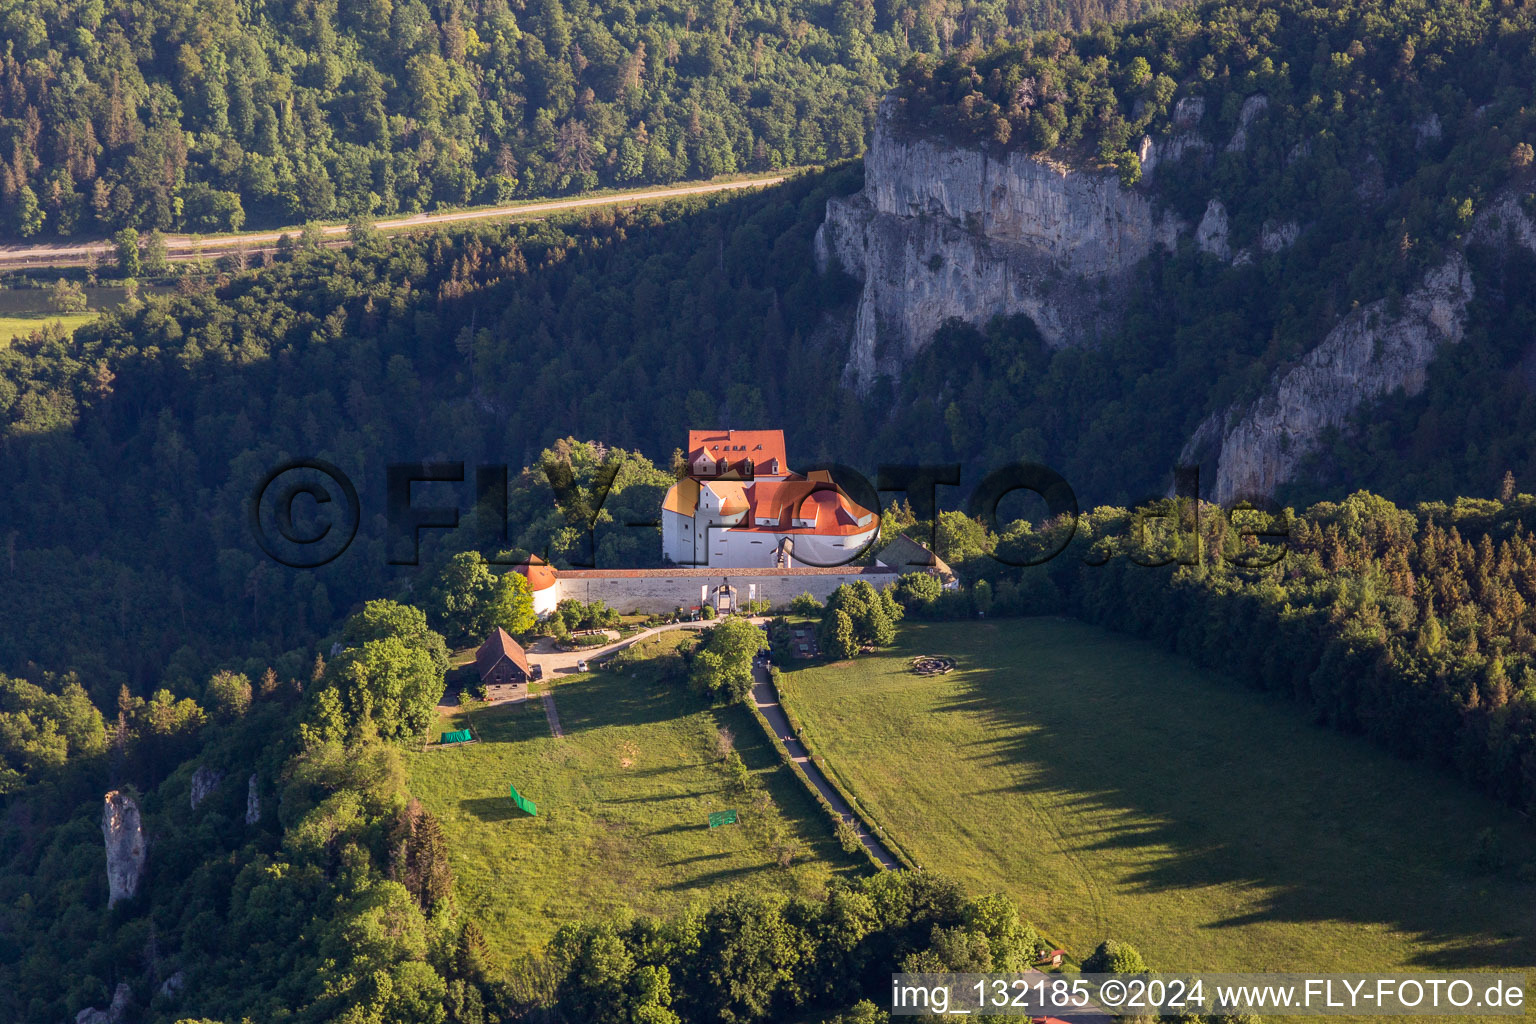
x=497 y=646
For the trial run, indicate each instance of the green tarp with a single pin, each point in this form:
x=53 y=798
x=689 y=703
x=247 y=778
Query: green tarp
x=524 y=804
x=457 y=736
x=718 y=818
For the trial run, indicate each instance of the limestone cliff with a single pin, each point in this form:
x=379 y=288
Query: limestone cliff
x=1369 y=354
x=115 y=1013
x=943 y=231
x=252 y=801
x=204 y=781
x=123 y=831
x=1373 y=352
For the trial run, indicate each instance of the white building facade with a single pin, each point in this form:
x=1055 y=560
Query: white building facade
x=741 y=507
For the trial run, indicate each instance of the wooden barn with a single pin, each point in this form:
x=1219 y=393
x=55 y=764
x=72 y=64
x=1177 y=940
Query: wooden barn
x=503 y=667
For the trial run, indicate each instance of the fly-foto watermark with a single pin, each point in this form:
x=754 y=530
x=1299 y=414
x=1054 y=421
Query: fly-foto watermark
x=305 y=513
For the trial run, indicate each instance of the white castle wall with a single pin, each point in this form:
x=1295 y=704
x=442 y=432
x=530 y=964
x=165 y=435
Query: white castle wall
x=754 y=549
x=659 y=594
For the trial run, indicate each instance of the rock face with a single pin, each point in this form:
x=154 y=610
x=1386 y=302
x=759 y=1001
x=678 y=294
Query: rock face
x=172 y=986
x=1369 y=354
x=1211 y=235
x=124 y=834
x=204 y=781
x=1372 y=352
x=116 y=1013
x=1278 y=235
x=252 y=801
x=1253 y=106
x=941 y=231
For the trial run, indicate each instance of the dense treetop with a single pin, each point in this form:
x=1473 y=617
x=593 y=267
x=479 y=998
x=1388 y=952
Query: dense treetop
x=1378 y=129
x=205 y=115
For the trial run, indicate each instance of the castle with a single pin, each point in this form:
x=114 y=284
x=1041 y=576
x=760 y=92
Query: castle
x=740 y=506
x=738 y=527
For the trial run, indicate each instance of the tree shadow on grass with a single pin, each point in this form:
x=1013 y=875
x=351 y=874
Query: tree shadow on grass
x=655 y=798
x=657 y=771
x=1223 y=786
x=713 y=878
x=750 y=743
x=492 y=808
x=697 y=859
x=611 y=698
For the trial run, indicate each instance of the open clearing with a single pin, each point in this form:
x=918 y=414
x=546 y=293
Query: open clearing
x=20 y=326
x=623 y=805
x=1116 y=791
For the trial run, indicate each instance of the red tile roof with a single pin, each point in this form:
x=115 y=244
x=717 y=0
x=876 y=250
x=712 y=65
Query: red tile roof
x=737 y=446
x=778 y=501
x=541 y=576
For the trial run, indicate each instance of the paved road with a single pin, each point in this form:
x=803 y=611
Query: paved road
x=544 y=654
x=186 y=247
x=767 y=700
x=555 y=662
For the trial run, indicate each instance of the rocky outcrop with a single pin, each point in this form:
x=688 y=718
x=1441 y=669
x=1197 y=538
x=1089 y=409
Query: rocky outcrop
x=1211 y=235
x=116 y=1013
x=1427 y=129
x=1374 y=351
x=1369 y=354
x=123 y=831
x=1253 y=106
x=944 y=231
x=204 y=781
x=1182 y=137
x=252 y=801
x=1277 y=235
x=171 y=987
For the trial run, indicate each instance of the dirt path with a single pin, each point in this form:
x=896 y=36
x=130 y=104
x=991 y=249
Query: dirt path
x=188 y=247
x=767 y=700
x=553 y=716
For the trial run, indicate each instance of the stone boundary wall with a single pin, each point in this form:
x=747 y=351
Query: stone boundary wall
x=658 y=591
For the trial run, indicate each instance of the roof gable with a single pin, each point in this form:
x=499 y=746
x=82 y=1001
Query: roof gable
x=497 y=646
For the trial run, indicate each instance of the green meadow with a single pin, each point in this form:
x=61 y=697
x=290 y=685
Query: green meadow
x=1115 y=791
x=21 y=325
x=623 y=805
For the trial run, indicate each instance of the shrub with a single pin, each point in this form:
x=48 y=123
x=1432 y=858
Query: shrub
x=67 y=297
x=848 y=837
x=1114 y=957
x=805 y=604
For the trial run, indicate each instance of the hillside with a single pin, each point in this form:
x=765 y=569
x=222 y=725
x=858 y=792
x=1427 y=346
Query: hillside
x=1281 y=213
x=1293 y=242
x=203 y=115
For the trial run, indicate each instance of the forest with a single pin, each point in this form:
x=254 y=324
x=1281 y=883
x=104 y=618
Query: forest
x=147 y=637
x=209 y=116
x=1414 y=627
x=492 y=346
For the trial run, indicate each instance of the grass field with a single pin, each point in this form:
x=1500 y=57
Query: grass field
x=21 y=325
x=623 y=804
x=1115 y=791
